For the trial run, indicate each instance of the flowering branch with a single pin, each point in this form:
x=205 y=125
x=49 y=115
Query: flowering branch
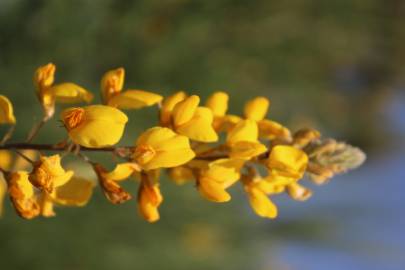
x=184 y=144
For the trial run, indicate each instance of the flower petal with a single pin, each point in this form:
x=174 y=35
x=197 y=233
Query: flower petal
x=261 y=204
x=169 y=149
x=167 y=107
x=99 y=126
x=256 y=109
x=218 y=103
x=44 y=76
x=122 y=171
x=199 y=127
x=184 y=110
x=288 y=161
x=170 y=158
x=212 y=190
x=6 y=111
x=134 y=99
x=149 y=199
x=271 y=130
x=70 y=93
x=112 y=83
x=76 y=192
x=246 y=150
x=245 y=130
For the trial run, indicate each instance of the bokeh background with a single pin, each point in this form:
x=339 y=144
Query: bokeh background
x=336 y=65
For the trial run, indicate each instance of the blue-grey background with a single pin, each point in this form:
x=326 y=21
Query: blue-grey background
x=336 y=65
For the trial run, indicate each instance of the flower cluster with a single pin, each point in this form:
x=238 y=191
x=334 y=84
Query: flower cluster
x=193 y=142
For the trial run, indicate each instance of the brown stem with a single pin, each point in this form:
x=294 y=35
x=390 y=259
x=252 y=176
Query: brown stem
x=8 y=135
x=121 y=151
x=51 y=147
x=35 y=129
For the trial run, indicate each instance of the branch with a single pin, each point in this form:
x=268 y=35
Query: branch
x=51 y=147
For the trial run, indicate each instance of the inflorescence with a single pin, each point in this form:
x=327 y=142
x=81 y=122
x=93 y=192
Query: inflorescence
x=193 y=143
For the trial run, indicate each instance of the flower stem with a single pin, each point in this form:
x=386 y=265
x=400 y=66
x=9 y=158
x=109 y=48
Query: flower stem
x=35 y=129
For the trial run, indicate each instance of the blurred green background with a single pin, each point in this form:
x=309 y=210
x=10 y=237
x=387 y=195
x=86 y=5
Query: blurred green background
x=336 y=65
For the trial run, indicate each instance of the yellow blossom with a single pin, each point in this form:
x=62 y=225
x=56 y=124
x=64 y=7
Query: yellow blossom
x=149 y=197
x=243 y=142
x=287 y=162
x=76 y=192
x=162 y=148
x=48 y=173
x=269 y=129
x=220 y=175
x=192 y=121
x=6 y=111
x=168 y=106
x=7 y=161
x=94 y=126
x=111 y=91
x=256 y=109
x=245 y=130
x=48 y=93
x=218 y=103
x=22 y=194
x=228 y=122
x=259 y=200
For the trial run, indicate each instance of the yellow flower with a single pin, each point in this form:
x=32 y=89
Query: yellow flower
x=94 y=126
x=256 y=109
x=162 y=148
x=8 y=162
x=168 y=106
x=149 y=197
x=220 y=175
x=48 y=173
x=243 y=142
x=111 y=92
x=287 y=162
x=218 y=103
x=48 y=93
x=6 y=111
x=22 y=194
x=108 y=182
x=271 y=130
x=192 y=121
x=76 y=192
x=259 y=200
